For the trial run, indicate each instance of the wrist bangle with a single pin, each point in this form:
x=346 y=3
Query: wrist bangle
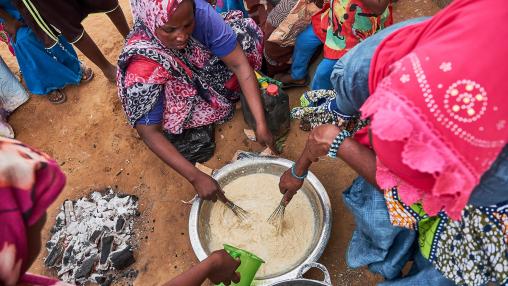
x=293 y=173
x=334 y=147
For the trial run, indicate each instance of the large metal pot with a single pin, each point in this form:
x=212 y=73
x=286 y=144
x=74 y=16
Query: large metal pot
x=300 y=281
x=312 y=188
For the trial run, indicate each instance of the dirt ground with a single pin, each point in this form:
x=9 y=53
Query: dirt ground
x=90 y=138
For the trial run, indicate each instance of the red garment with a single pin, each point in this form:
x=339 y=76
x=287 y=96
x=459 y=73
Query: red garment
x=438 y=104
x=320 y=22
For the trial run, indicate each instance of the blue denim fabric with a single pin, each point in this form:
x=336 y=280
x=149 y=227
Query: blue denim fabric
x=422 y=273
x=376 y=243
x=322 y=75
x=385 y=248
x=306 y=45
x=493 y=187
x=350 y=76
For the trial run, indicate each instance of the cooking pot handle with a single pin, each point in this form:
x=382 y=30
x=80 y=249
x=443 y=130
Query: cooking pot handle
x=308 y=266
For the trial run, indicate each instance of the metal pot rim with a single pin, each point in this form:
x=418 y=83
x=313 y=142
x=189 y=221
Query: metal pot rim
x=313 y=180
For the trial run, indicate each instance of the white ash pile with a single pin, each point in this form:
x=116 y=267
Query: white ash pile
x=92 y=239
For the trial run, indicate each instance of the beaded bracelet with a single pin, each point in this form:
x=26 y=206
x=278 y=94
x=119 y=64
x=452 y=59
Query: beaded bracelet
x=334 y=147
x=360 y=124
x=293 y=173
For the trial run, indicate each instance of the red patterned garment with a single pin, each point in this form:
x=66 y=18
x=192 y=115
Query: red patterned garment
x=193 y=81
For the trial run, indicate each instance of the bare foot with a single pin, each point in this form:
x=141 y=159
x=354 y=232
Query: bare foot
x=110 y=73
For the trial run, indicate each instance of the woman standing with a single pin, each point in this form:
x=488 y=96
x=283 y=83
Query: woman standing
x=52 y=19
x=179 y=74
x=45 y=71
x=432 y=187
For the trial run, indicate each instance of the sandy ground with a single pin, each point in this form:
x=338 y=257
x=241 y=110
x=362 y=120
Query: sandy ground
x=94 y=145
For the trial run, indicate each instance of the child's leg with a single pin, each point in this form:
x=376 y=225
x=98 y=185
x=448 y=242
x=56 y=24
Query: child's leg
x=118 y=19
x=321 y=78
x=306 y=45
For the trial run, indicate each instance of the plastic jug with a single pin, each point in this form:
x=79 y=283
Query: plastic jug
x=276 y=105
x=249 y=266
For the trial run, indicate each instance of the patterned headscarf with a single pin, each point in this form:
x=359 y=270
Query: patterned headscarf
x=192 y=80
x=443 y=106
x=154 y=13
x=29 y=183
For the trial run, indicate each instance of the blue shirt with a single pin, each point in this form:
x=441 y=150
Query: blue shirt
x=211 y=31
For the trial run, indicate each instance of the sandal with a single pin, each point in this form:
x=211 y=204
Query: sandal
x=86 y=73
x=291 y=84
x=57 y=97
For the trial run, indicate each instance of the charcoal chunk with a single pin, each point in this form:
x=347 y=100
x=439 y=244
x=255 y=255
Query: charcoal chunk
x=108 y=281
x=122 y=258
x=120 y=223
x=67 y=255
x=130 y=274
x=99 y=279
x=86 y=267
x=54 y=255
x=96 y=234
x=106 y=246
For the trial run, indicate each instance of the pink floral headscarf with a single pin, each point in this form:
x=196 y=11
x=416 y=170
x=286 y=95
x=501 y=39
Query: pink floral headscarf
x=443 y=103
x=154 y=13
x=29 y=183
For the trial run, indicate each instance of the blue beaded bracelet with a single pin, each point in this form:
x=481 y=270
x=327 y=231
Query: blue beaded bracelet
x=293 y=173
x=334 y=147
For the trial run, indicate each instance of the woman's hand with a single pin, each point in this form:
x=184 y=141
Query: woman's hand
x=317 y=146
x=289 y=185
x=319 y=141
x=265 y=138
x=223 y=268
x=207 y=187
x=239 y=65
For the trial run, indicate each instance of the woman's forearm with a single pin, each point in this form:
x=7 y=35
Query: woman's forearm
x=239 y=65
x=160 y=145
x=359 y=158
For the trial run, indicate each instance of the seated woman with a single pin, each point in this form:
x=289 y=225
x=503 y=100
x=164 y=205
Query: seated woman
x=45 y=71
x=178 y=75
x=433 y=185
x=339 y=26
x=30 y=181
